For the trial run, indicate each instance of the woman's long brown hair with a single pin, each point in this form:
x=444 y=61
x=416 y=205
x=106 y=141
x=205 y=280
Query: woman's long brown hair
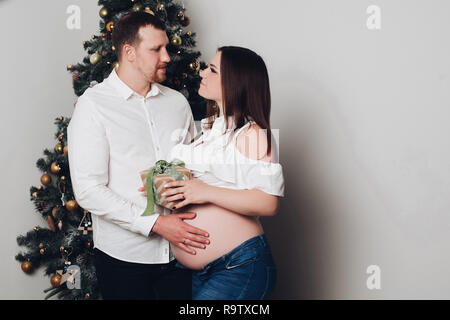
x=245 y=90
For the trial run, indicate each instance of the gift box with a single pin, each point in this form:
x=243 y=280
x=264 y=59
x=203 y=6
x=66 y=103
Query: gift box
x=157 y=177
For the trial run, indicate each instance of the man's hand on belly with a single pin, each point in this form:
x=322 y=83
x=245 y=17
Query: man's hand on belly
x=179 y=233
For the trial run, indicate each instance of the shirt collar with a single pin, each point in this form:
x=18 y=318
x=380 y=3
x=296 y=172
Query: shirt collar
x=125 y=91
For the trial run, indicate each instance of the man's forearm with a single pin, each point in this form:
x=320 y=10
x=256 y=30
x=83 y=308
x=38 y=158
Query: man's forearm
x=102 y=201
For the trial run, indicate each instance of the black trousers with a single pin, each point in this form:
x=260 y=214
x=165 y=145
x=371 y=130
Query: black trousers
x=121 y=280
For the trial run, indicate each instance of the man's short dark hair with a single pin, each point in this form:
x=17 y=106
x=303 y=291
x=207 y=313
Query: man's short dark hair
x=126 y=30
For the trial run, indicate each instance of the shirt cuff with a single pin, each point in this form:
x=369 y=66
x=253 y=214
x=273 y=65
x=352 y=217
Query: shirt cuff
x=144 y=224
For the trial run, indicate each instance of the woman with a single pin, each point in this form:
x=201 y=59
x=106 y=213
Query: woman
x=235 y=181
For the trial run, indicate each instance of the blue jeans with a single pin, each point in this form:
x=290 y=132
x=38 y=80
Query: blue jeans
x=248 y=272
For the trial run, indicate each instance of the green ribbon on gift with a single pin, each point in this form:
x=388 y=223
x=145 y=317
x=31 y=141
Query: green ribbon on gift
x=160 y=167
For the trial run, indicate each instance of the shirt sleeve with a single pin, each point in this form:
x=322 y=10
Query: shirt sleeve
x=251 y=174
x=89 y=163
x=264 y=176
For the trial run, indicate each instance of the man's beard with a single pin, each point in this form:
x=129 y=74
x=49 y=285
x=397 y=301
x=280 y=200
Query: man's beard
x=160 y=77
x=157 y=76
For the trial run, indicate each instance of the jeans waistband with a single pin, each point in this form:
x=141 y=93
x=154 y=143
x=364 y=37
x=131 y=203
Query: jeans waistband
x=258 y=241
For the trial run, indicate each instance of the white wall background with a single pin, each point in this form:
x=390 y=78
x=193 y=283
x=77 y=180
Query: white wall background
x=363 y=118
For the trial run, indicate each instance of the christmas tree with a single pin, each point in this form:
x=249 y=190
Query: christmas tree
x=65 y=247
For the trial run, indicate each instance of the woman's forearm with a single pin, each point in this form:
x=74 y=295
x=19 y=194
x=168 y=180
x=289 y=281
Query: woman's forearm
x=252 y=202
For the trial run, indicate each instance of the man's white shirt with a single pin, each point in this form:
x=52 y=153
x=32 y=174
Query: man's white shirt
x=114 y=134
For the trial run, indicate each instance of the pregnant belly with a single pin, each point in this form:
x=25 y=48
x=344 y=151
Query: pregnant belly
x=226 y=230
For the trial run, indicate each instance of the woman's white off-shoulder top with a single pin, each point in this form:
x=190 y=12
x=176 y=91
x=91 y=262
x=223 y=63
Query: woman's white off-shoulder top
x=215 y=159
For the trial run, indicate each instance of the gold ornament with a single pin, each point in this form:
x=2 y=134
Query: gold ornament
x=189 y=33
x=195 y=66
x=71 y=205
x=103 y=12
x=87 y=296
x=95 y=58
x=137 y=7
x=36 y=228
x=46 y=179
x=55 y=168
x=34 y=194
x=27 y=267
x=176 y=40
x=59 y=148
x=60 y=225
x=110 y=26
x=93 y=36
x=69 y=67
x=115 y=64
x=41 y=245
x=66 y=150
x=39 y=187
x=180 y=15
x=147 y=9
x=61 y=118
x=42 y=251
x=55 y=280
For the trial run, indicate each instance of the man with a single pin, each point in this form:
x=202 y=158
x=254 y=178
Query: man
x=119 y=128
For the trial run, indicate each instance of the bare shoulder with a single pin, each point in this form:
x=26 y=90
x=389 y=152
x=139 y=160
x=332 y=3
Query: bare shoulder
x=252 y=143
